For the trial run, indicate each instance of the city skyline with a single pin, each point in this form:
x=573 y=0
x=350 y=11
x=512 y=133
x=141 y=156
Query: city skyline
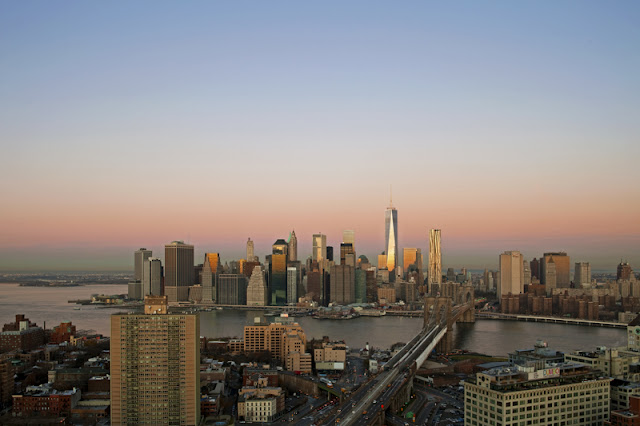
x=503 y=135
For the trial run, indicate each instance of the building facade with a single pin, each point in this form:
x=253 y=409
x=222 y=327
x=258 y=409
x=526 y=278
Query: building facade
x=178 y=262
x=435 y=258
x=511 y=274
x=391 y=239
x=155 y=367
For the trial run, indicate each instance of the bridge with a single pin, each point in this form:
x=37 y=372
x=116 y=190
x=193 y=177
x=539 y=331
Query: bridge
x=390 y=389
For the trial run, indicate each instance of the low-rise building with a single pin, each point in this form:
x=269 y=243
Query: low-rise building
x=43 y=399
x=614 y=362
x=260 y=403
x=626 y=417
x=330 y=356
x=560 y=394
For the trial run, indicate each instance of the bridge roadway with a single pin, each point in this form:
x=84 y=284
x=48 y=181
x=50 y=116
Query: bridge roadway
x=397 y=371
x=384 y=386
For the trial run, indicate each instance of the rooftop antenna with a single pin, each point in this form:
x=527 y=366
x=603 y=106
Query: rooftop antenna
x=390 y=196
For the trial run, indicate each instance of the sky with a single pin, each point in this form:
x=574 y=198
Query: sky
x=508 y=125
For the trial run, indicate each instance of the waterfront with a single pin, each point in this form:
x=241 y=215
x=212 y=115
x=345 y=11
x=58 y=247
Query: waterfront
x=491 y=337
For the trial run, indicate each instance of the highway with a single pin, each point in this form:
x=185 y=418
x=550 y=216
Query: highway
x=361 y=407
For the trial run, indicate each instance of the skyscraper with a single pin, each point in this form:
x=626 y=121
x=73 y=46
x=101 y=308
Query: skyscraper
x=257 y=293
x=342 y=289
x=349 y=237
x=280 y=247
x=139 y=257
x=278 y=279
x=292 y=285
x=178 y=263
x=155 y=366
x=624 y=271
x=435 y=258
x=319 y=251
x=563 y=268
x=293 y=246
x=511 y=277
x=250 y=251
x=152 y=277
x=391 y=238
x=210 y=270
x=582 y=273
x=347 y=254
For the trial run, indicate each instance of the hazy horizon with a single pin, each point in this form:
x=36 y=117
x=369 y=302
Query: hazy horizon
x=510 y=126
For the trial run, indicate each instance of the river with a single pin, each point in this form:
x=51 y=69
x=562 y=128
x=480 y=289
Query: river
x=490 y=337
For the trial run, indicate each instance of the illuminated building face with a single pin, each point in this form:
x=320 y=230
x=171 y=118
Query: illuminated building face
x=391 y=237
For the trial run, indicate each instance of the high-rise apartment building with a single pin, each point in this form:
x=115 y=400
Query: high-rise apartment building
x=435 y=258
x=152 y=277
x=582 y=276
x=319 y=250
x=563 y=268
x=293 y=246
x=139 y=257
x=391 y=238
x=511 y=274
x=178 y=264
x=210 y=270
x=342 y=286
x=155 y=366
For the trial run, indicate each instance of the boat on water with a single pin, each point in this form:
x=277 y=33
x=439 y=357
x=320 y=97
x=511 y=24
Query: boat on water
x=77 y=308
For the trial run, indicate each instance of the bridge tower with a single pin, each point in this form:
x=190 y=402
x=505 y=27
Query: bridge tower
x=437 y=310
x=466 y=296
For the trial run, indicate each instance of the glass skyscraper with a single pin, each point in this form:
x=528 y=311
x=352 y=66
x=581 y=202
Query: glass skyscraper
x=391 y=238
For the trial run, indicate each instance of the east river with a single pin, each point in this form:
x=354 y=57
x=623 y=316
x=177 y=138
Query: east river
x=491 y=337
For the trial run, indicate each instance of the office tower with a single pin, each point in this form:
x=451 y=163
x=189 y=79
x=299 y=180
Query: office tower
x=314 y=282
x=361 y=286
x=292 y=285
x=451 y=275
x=280 y=247
x=139 y=257
x=232 y=289
x=155 y=366
x=319 y=250
x=372 y=285
x=349 y=237
x=347 y=254
x=550 y=277
x=278 y=279
x=329 y=254
x=511 y=278
x=535 y=268
x=342 y=290
x=134 y=291
x=382 y=261
x=527 y=272
x=624 y=271
x=251 y=257
x=563 y=268
x=257 y=292
x=152 y=277
x=293 y=247
x=391 y=238
x=435 y=258
x=412 y=261
x=178 y=264
x=582 y=273
x=210 y=270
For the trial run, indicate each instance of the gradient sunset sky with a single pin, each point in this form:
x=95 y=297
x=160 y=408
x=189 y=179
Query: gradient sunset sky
x=508 y=125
